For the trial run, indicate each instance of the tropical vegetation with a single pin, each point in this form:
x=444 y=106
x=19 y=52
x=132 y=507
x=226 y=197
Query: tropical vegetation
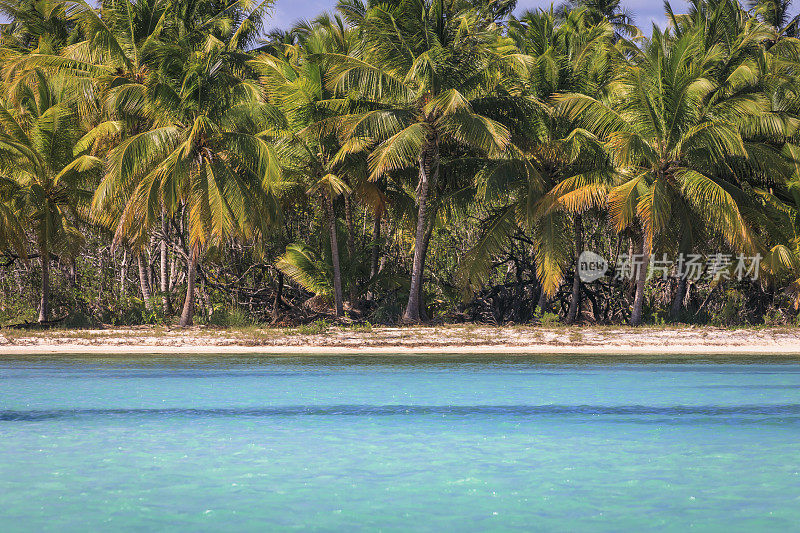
x=398 y=161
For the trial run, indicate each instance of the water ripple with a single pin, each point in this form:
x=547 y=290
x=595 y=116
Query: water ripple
x=790 y=410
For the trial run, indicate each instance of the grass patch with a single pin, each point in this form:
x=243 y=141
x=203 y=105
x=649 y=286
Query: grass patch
x=575 y=337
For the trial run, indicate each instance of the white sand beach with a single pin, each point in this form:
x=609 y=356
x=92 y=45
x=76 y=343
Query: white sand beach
x=406 y=341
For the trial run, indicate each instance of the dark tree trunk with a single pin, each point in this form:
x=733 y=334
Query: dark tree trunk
x=337 y=270
x=188 y=303
x=376 y=250
x=541 y=305
x=164 y=274
x=276 y=303
x=44 y=302
x=73 y=273
x=637 y=316
x=680 y=296
x=428 y=172
x=575 y=302
x=143 y=283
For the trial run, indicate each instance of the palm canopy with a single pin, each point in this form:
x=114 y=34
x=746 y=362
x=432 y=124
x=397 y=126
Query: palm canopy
x=36 y=149
x=670 y=128
x=206 y=155
x=610 y=11
x=38 y=26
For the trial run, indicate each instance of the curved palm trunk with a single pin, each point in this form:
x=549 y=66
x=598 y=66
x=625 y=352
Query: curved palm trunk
x=428 y=169
x=575 y=301
x=641 y=281
x=337 y=271
x=188 y=303
x=683 y=282
x=44 y=301
x=143 y=283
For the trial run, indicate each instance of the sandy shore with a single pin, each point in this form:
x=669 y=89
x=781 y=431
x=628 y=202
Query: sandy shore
x=406 y=341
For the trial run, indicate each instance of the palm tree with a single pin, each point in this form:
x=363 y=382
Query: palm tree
x=202 y=154
x=607 y=10
x=36 y=27
x=777 y=14
x=306 y=137
x=426 y=66
x=47 y=185
x=678 y=138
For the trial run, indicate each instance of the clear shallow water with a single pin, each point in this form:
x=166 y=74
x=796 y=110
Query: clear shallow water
x=337 y=444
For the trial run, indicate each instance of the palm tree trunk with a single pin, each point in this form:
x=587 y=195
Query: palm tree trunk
x=276 y=304
x=641 y=281
x=143 y=283
x=428 y=169
x=123 y=274
x=351 y=247
x=680 y=295
x=541 y=304
x=164 y=274
x=337 y=270
x=575 y=302
x=423 y=314
x=188 y=303
x=376 y=250
x=376 y=247
x=44 y=302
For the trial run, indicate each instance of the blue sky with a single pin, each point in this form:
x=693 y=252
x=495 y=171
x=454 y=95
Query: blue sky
x=645 y=11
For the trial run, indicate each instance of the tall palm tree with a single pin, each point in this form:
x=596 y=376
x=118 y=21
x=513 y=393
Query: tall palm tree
x=47 y=185
x=427 y=65
x=306 y=138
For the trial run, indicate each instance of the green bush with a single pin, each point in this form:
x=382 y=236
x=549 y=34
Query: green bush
x=547 y=319
x=317 y=327
x=234 y=317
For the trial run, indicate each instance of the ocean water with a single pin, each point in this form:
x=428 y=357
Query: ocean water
x=398 y=444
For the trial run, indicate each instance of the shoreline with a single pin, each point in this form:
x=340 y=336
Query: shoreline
x=421 y=341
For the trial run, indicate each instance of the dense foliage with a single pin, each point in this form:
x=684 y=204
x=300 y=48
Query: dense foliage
x=398 y=161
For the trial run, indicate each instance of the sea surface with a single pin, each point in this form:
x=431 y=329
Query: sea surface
x=398 y=444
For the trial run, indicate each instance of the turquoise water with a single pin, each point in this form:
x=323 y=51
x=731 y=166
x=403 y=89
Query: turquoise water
x=337 y=444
